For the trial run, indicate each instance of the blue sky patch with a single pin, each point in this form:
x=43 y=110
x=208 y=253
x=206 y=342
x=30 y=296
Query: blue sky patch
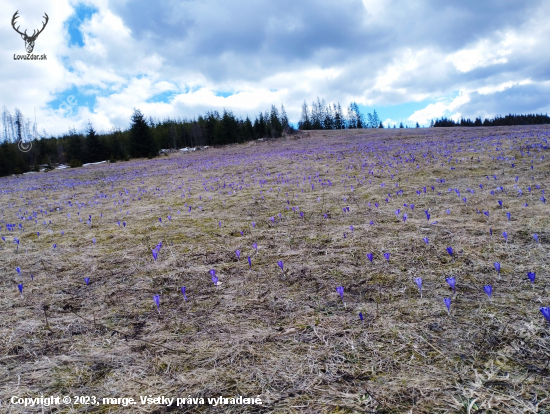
x=165 y=97
x=399 y=113
x=69 y=100
x=73 y=23
x=224 y=94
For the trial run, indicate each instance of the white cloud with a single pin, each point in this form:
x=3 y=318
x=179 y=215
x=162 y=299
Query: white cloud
x=440 y=109
x=469 y=59
x=432 y=111
x=487 y=90
x=377 y=53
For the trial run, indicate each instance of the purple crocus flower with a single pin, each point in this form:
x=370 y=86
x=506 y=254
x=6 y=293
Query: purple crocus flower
x=404 y=217
x=546 y=313
x=20 y=287
x=531 y=276
x=301 y=214
x=536 y=237
x=448 y=305
x=508 y=215
x=448 y=211
x=124 y=224
x=340 y=290
x=155 y=254
x=505 y=236
x=361 y=316
x=54 y=246
x=215 y=280
x=387 y=256
x=249 y=262
x=87 y=280
x=497 y=267
x=183 y=292
x=450 y=251
x=18 y=269
x=93 y=240
x=255 y=246
x=160 y=219
x=351 y=228
x=369 y=256
x=156 y=298
x=500 y=203
x=273 y=219
x=426 y=240
x=452 y=283
x=238 y=253
x=212 y=272
x=418 y=282
x=254 y=224
x=280 y=263
x=489 y=290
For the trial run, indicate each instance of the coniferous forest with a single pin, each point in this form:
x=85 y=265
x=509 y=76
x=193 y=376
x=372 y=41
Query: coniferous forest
x=530 y=119
x=146 y=136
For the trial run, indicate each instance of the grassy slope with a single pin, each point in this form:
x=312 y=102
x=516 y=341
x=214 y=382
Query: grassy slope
x=288 y=339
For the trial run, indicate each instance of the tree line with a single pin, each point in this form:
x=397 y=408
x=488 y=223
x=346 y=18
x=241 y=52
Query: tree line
x=331 y=116
x=146 y=136
x=529 y=119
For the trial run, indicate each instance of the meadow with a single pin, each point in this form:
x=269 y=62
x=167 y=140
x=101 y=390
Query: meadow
x=356 y=271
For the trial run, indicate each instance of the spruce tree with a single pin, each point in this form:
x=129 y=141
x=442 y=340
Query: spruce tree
x=259 y=126
x=248 y=130
x=141 y=140
x=276 y=124
x=375 y=119
x=94 y=146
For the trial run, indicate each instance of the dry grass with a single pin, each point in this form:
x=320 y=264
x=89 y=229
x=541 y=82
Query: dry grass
x=285 y=338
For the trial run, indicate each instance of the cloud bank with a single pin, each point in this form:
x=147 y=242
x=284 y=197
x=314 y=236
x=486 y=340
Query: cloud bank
x=182 y=58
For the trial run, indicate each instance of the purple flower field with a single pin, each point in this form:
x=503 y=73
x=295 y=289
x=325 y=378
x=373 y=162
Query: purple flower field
x=378 y=270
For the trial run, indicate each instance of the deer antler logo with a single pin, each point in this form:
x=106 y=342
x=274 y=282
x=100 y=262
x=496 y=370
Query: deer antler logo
x=29 y=40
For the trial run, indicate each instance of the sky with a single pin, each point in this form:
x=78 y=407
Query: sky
x=411 y=61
